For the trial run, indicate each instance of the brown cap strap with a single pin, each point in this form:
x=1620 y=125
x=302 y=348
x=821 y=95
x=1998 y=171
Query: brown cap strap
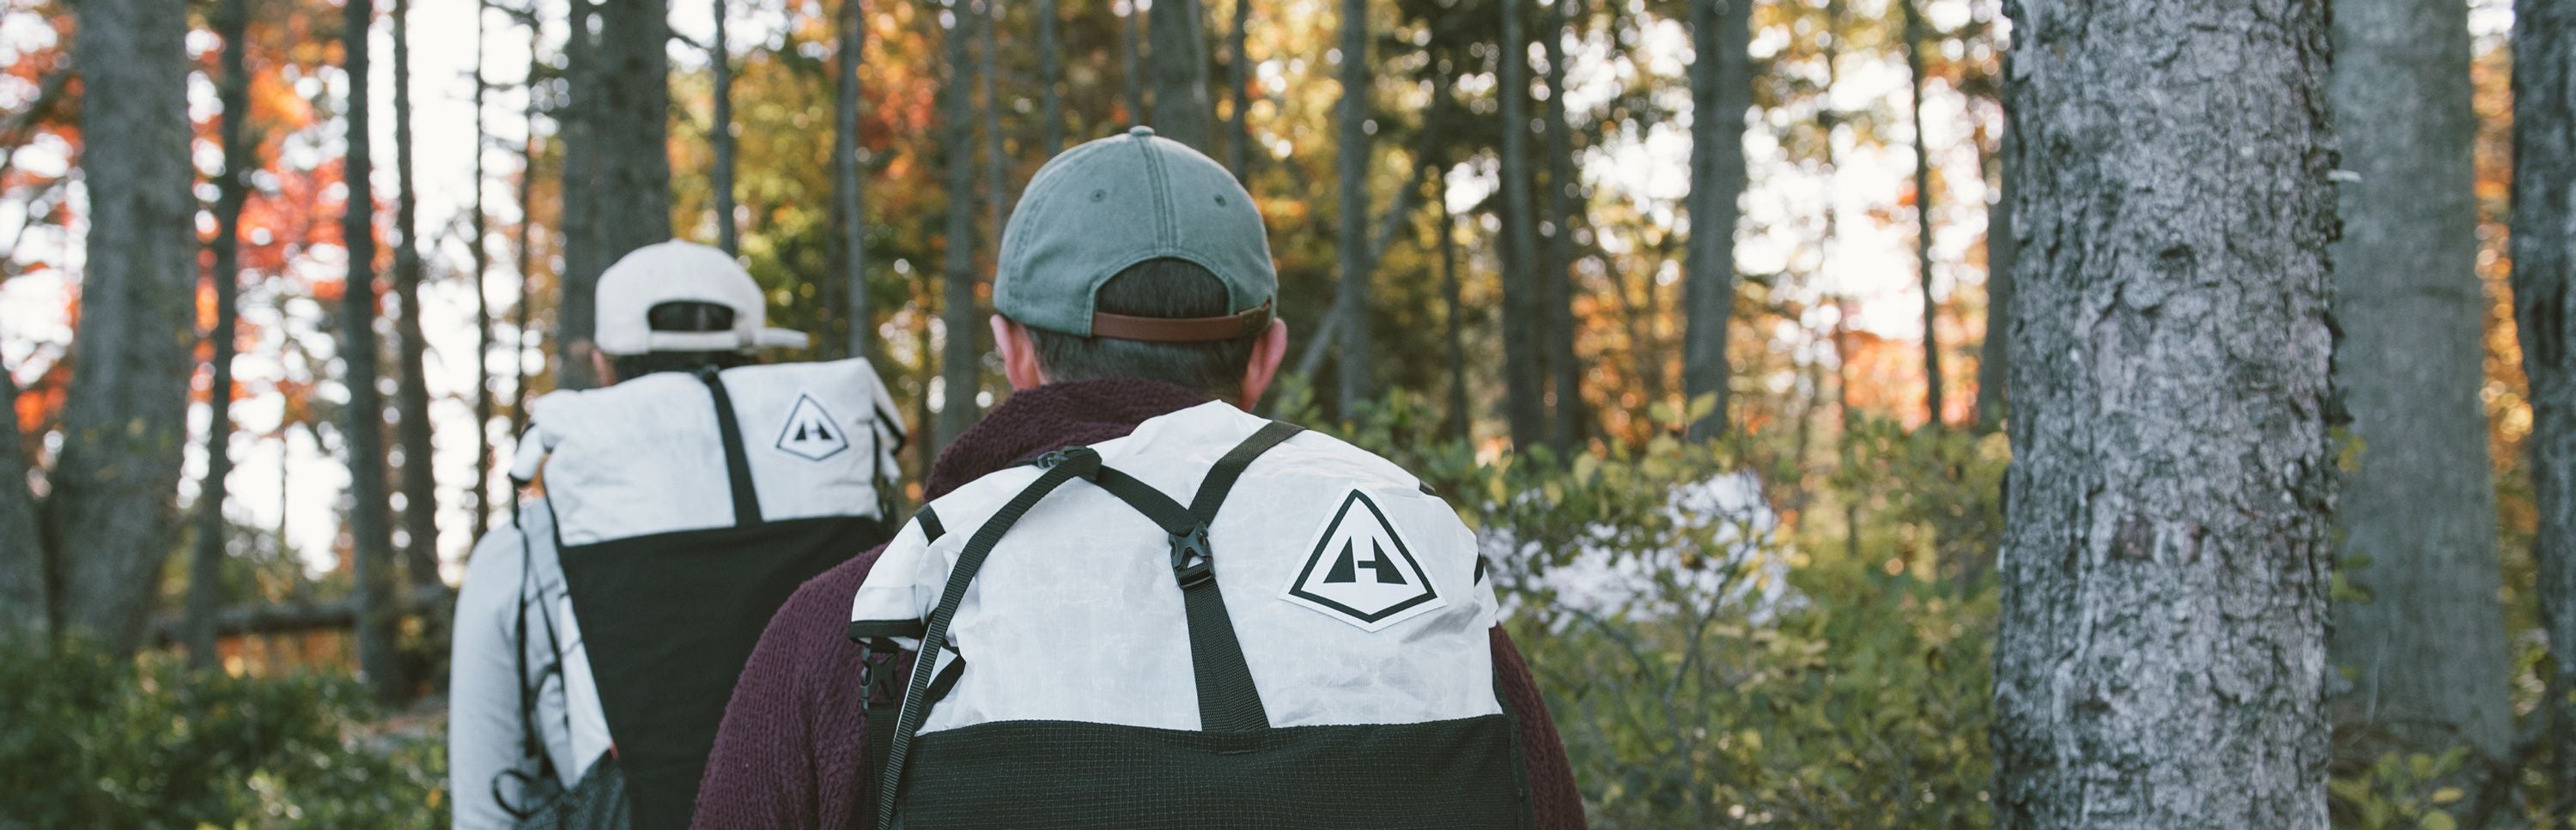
x=1181 y=330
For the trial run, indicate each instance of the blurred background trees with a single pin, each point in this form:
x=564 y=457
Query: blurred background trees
x=1706 y=311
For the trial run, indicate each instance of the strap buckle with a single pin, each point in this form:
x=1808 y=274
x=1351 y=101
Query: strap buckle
x=1192 y=561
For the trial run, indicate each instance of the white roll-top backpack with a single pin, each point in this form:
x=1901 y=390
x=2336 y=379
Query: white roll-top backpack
x=1216 y=621
x=687 y=507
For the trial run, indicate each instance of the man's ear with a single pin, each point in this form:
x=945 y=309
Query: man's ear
x=602 y=366
x=1267 y=352
x=1019 y=354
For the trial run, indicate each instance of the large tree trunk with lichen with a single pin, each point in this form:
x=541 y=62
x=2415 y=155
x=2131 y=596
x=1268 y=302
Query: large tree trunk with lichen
x=111 y=516
x=2425 y=651
x=617 y=167
x=2160 y=658
x=2544 y=266
x=371 y=557
x=1721 y=90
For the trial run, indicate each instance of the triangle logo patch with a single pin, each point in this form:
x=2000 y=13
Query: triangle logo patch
x=810 y=432
x=1361 y=572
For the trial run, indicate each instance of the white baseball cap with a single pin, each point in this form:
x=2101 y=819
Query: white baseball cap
x=682 y=272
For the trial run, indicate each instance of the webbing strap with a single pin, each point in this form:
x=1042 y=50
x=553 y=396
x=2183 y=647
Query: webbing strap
x=1068 y=465
x=746 y=501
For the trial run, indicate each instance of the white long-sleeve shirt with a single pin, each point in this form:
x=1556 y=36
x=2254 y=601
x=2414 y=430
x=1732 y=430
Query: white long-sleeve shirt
x=514 y=576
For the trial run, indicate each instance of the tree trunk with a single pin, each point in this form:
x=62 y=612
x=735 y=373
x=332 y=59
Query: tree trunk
x=1524 y=380
x=206 y=566
x=1239 y=78
x=2429 y=645
x=1050 y=81
x=962 y=373
x=1357 y=386
x=112 y=509
x=617 y=169
x=370 y=519
x=1721 y=90
x=1182 y=111
x=26 y=569
x=1131 y=50
x=720 y=136
x=1557 y=276
x=2544 y=265
x=2160 y=658
x=997 y=177
x=1914 y=34
x=478 y=226
x=2001 y=250
x=526 y=338
x=849 y=186
x=411 y=403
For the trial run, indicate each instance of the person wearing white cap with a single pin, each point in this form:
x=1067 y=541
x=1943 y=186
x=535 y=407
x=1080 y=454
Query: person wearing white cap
x=682 y=502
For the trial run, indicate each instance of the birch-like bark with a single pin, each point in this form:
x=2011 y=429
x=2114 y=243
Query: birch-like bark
x=113 y=511
x=411 y=390
x=232 y=188
x=2544 y=266
x=1524 y=379
x=2160 y=660
x=1721 y=91
x=371 y=558
x=2426 y=652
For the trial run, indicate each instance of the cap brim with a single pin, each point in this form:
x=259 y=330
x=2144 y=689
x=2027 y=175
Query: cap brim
x=782 y=339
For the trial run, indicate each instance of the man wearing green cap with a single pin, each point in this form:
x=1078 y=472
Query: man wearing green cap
x=1135 y=284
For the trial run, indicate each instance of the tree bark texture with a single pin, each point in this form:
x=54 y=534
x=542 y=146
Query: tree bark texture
x=1238 y=63
x=1182 y=111
x=1050 y=81
x=1524 y=378
x=2161 y=650
x=112 y=513
x=411 y=393
x=962 y=373
x=478 y=227
x=1995 y=354
x=232 y=188
x=1721 y=91
x=1914 y=33
x=1131 y=49
x=370 y=517
x=720 y=136
x=1557 y=278
x=849 y=186
x=2429 y=645
x=2544 y=266
x=617 y=168
x=1357 y=382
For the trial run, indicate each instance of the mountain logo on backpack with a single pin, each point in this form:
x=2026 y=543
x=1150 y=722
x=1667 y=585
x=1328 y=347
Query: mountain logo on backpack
x=810 y=432
x=1361 y=572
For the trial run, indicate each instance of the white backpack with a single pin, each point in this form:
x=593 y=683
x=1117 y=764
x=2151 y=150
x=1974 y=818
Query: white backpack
x=1215 y=621
x=687 y=507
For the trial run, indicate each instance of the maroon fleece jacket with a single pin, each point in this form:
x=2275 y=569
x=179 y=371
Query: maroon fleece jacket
x=789 y=751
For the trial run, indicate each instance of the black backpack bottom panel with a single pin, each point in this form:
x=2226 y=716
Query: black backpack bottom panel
x=668 y=621
x=1060 y=774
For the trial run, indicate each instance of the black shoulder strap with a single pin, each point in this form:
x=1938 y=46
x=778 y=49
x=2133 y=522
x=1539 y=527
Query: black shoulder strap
x=1062 y=466
x=746 y=501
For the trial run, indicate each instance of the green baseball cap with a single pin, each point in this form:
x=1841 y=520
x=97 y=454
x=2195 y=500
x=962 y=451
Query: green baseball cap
x=1096 y=209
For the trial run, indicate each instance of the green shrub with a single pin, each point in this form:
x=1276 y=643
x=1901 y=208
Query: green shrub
x=89 y=739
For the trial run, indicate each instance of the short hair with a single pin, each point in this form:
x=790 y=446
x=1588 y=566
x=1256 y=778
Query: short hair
x=681 y=316
x=1163 y=288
